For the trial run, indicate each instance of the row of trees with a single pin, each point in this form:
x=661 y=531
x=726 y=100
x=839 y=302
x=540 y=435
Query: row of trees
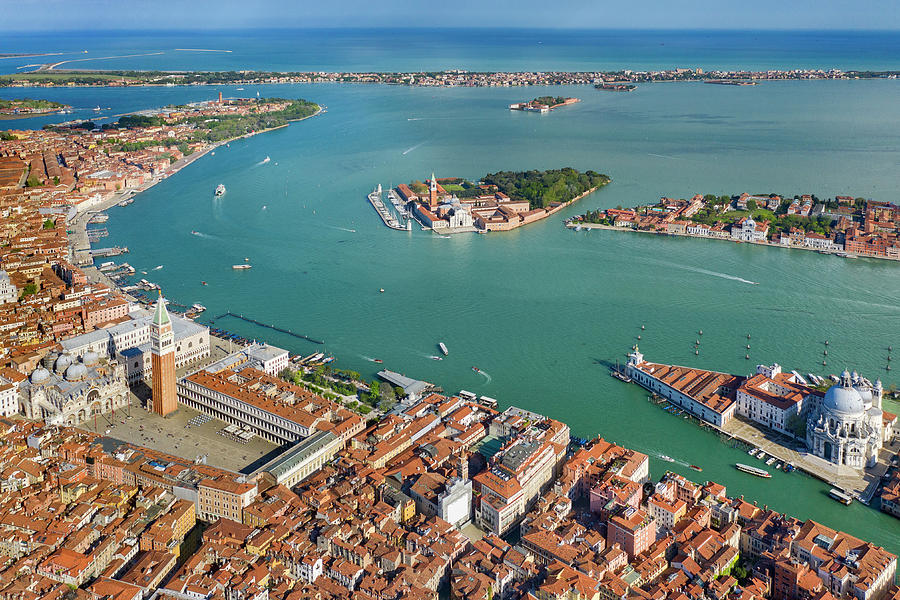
x=542 y=188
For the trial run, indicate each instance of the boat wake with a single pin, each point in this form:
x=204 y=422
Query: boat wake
x=368 y=358
x=262 y=162
x=708 y=272
x=408 y=150
x=663 y=156
x=670 y=459
x=487 y=377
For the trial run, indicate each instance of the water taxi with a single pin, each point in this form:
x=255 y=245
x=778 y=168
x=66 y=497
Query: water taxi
x=435 y=358
x=840 y=496
x=220 y=190
x=666 y=458
x=443 y=348
x=696 y=468
x=771 y=460
x=377 y=360
x=753 y=451
x=239 y=267
x=476 y=369
x=753 y=470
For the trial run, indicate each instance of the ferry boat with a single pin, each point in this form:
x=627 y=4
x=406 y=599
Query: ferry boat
x=443 y=348
x=752 y=470
x=840 y=496
x=245 y=266
x=220 y=190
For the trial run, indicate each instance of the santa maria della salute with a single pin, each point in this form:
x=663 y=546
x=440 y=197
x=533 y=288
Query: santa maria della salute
x=848 y=427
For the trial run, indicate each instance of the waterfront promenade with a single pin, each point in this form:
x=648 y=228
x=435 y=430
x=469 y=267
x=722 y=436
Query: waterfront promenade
x=839 y=253
x=861 y=485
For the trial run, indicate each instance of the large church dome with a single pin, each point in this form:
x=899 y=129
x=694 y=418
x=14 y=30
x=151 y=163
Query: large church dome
x=844 y=398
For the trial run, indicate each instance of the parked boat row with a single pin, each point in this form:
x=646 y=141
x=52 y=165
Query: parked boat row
x=386 y=216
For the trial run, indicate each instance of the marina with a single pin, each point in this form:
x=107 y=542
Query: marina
x=268 y=326
x=388 y=218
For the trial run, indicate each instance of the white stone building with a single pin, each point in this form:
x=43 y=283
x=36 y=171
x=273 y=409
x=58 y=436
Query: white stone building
x=74 y=391
x=848 y=427
x=748 y=230
x=8 y=291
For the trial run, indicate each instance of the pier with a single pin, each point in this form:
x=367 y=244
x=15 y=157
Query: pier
x=104 y=252
x=385 y=214
x=267 y=326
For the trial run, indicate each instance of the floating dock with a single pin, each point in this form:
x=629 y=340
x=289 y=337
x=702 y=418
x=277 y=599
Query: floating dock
x=272 y=327
x=114 y=251
x=385 y=214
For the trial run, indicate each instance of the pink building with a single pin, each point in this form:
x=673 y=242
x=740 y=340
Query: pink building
x=634 y=531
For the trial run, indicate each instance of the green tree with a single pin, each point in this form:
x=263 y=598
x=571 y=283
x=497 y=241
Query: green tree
x=49 y=224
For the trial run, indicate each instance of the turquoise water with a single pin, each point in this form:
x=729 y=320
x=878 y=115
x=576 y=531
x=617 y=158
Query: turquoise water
x=541 y=309
x=427 y=48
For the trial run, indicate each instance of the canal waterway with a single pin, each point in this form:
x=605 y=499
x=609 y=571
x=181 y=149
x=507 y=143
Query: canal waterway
x=542 y=309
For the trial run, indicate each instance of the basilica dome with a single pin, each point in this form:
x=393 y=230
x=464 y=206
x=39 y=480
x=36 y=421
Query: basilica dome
x=844 y=398
x=76 y=372
x=40 y=375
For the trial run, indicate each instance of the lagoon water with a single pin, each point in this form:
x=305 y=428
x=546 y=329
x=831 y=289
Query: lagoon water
x=540 y=310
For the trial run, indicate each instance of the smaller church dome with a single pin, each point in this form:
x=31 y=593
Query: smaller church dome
x=76 y=372
x=40 y=375
x=62 y=363
x=90 y=359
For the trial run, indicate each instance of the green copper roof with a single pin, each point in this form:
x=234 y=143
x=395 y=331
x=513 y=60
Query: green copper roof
x=160 y=314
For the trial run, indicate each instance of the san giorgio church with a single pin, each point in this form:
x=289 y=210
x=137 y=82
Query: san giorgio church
x=848 y=426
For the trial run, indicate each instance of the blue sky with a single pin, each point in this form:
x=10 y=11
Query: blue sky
x=23 y=15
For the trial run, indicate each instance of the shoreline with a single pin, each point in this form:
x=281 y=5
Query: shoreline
x=79 y=223
x=848 y=255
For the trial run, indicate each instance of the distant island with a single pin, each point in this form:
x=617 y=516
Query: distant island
x=616 y=87
x=543 y=104
x=26 y=107
x=48 y=76
x=211 y=122
x=499 y=202
x=843 y=225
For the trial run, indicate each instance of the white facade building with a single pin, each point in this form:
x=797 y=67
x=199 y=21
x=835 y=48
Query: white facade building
x=747 y=230
x=848 y=427
x=8 y=291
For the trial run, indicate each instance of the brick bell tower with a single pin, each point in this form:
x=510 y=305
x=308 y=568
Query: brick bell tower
x=162 y=355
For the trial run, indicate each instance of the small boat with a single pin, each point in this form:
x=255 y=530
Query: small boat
x=476 y=369
x=246 y=259
x=443 y=348
x=97 y=109
x=194 y=232
x=840 y=496
x=266 y=159
x=770 y=461
x=202 y=283
x=264 y=207
x=753 y=451
x=220 y=190
x=239 y=267
x=377 y=360
x=666 y=458
x=752 y=470
x=198 y=307
x=380 y=290
x=435 y=358
x=696 y=468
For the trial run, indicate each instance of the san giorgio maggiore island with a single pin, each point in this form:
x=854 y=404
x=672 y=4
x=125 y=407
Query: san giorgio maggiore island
x=500 y=202
x=145 y=455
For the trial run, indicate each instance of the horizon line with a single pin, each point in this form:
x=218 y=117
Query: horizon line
x=237 y=28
